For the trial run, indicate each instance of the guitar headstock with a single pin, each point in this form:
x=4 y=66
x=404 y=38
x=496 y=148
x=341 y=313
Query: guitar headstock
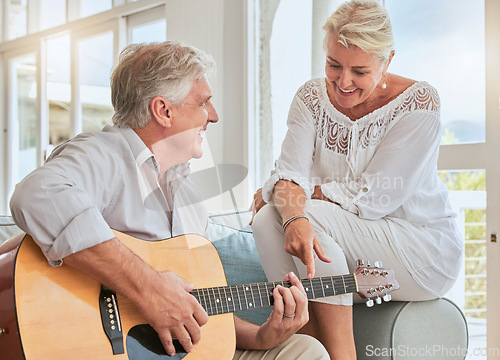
x=375 y=282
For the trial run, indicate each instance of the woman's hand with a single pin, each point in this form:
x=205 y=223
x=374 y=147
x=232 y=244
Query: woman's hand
x=257 y=203
x=301 y=241
x=318 y=194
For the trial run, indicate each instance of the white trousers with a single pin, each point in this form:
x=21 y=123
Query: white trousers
x=297 y=347
x=345 y=238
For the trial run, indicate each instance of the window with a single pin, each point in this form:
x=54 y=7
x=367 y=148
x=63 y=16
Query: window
x=58 y=76
x=52 y=13
x=450 y=56
x=25 y=112
x=431 y=44
x=468 y=198
x=59 y=89
x=91 y=7
x=149 y=25
x=96 y=63
x=75 y=46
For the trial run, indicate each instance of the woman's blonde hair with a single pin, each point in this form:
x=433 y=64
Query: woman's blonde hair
x=362 y=23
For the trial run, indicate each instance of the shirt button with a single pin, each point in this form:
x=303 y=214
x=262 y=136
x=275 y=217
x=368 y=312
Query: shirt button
x=365 y=189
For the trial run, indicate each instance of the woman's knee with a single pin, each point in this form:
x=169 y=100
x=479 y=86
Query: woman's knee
x=266 y=219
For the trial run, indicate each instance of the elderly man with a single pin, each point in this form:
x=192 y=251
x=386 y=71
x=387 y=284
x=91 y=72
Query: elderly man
x=133 y=177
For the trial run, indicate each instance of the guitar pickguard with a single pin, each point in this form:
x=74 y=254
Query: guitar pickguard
x=143 y=343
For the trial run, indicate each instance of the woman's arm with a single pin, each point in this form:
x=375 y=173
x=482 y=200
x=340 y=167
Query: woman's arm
x=300 y=237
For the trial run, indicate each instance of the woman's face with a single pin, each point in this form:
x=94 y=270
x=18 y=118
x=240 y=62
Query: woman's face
x=352 y=74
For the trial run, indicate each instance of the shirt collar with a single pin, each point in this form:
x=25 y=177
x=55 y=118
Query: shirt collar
x=142 y=153
x=139 y=150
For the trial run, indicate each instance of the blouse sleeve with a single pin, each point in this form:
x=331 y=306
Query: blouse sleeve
x=406 y=157
x=297 y=150
x=61 y=203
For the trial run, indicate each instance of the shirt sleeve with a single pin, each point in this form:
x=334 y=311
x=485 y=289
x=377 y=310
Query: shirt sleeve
x=61 y=204
x=406 y=157
x=297 y=151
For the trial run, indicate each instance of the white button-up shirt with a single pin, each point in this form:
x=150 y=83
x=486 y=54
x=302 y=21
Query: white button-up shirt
x=102 y=181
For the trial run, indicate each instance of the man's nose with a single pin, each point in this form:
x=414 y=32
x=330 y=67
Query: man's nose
x=212 y=114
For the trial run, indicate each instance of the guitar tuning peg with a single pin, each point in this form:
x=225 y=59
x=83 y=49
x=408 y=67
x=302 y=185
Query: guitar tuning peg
x=387 y=297
x=368 y=264
x=377 y=264
x=369 y=303
x=360 y=262
x=378 y=300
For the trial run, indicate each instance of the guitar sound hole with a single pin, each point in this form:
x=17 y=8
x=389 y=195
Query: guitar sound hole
x=143 y=343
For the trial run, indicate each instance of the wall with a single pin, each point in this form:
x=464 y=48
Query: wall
x=219 y=28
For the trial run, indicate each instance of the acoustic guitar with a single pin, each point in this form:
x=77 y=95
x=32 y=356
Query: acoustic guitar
x=60 y=313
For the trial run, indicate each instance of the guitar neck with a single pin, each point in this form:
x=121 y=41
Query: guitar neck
x=225 y=299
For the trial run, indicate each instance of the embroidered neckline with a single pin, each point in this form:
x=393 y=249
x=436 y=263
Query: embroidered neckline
x=339 y=132
x=391 y=105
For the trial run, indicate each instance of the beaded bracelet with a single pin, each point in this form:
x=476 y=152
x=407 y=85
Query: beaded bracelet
x=286 y=223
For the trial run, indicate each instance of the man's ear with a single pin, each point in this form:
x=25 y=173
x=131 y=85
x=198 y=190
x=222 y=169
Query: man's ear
x=161 y=110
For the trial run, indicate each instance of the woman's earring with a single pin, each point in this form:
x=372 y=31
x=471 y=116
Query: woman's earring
x=384 y=85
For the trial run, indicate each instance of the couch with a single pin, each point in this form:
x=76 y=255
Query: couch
x=434 y=329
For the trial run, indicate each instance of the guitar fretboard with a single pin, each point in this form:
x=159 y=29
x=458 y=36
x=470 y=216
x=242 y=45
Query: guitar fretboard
x=224 y=299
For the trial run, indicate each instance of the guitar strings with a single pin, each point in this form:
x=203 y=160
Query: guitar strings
x=217 y=300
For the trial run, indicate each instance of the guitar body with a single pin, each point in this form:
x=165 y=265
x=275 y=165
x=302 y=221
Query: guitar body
x=58 y=315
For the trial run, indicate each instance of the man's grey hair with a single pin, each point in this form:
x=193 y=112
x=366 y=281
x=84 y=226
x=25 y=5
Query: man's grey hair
x=146 y=71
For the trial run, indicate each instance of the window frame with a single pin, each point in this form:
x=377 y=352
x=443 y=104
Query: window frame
x=35 y=43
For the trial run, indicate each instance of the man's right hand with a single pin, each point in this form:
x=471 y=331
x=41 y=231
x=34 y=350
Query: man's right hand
x=163 y=299
x=171 y=310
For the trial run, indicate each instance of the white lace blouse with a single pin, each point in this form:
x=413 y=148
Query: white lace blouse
x=383 y=165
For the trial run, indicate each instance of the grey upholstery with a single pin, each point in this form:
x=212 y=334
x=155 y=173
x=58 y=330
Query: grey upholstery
x=396 y=330
x=7 y=228
x=434 y=329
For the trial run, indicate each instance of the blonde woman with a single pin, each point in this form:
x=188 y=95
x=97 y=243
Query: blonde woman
x=357 y=178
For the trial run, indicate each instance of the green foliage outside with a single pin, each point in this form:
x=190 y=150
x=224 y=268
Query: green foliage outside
x=475 y=241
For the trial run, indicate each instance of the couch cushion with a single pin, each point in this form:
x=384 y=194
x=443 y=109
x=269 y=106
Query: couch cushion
x=416 y=330
x=7 y=228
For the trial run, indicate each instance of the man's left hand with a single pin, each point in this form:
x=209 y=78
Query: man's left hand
x=290 y=313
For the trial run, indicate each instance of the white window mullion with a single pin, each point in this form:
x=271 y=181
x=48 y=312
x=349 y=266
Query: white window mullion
x=4 y=153
x=252 y=103
x=493 y=169
x=43 y=110
x=76 y=107
x=117 y=3
x=120 y=38
x=5 y=6
x=12 y=129
x=72 y=10
x=3 y=21
x=33 y=16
